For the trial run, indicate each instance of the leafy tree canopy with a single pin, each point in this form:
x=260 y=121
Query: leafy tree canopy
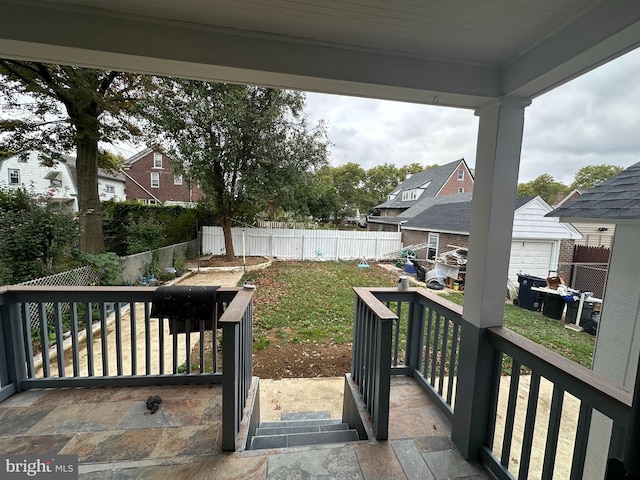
x=60 y=109
x=247 y=146
x=591 y=175
x=545 y=186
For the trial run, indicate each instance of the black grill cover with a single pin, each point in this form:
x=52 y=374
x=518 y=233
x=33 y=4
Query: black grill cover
x=184 y=305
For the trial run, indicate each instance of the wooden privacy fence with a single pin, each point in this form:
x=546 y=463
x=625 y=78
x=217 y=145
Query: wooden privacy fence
x=303 y=244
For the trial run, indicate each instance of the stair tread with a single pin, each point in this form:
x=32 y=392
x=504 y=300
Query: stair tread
x=299 y=439
x=289 y=416
x=300 y=423
x=280 y=430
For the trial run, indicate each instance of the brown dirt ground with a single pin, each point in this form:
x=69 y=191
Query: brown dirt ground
x=220 y=261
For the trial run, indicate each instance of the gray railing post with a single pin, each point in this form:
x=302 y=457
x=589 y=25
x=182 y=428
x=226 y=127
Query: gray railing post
x=230 y=384
x=414 y=334
x=382 y=381
x=473 y=392
x=13 y=372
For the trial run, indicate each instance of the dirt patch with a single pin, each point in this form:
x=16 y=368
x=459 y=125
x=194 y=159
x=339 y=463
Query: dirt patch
x=302 y=361
x=286 y=360
x=220 y=261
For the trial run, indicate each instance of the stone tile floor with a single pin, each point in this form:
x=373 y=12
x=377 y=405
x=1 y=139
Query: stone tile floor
x=114 y=438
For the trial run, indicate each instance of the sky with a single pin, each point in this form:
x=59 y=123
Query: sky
x=592 y=120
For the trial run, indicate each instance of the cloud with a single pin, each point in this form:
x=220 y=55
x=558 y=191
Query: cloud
x=594 y=119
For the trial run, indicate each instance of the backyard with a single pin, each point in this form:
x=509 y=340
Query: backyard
x=303 y=319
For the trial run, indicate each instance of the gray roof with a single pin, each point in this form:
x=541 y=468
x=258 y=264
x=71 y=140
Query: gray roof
x=450 y=216
x=617 y=198
x=423 y=204
x=437 y=176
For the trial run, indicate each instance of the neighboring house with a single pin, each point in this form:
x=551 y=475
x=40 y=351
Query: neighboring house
x=617 y=201
x=111 y=186
x=150 y=178
x=538 y=243
x=599 y=234
x=454 y=177
x=59 y=182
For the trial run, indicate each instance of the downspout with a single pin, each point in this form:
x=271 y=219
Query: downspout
x=138 y=184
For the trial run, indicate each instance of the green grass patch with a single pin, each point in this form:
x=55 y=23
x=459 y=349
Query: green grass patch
x=313 y=302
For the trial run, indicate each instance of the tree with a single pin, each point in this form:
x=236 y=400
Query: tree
x=56 y=109
x=348 y=180
x=33 y=235
x=591 y=175
x=247 y=146
x=379 y=183
x=545 y=186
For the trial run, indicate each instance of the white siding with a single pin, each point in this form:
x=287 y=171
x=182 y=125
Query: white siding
x=118 y=194
x=303 y=244
x=529 y=221
x=592 y=236
x=32 y=177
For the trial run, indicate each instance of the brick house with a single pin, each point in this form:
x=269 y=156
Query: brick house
x=449 y=179
x=537 y=245
x=150 y=178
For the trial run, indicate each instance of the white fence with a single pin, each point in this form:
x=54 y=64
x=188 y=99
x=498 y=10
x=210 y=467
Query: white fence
x=303 y=244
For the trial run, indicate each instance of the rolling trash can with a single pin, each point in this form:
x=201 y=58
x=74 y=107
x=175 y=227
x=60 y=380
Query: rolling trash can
x=553 y=306
x=527 y=298
x=572 y=311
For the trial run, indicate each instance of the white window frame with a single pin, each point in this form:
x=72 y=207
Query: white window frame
x=110 y=188
x=460 y=189
x=14 y=173
x=152 y=201
x=460 y=174
x=157 y=160
x=177 y=179
x=155 y=180
x=409 y=195
x=433 y=239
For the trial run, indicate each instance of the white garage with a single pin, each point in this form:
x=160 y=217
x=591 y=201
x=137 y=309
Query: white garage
x=536 y=240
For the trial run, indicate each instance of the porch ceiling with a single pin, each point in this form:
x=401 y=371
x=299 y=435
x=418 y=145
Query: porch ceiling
x=458 y=53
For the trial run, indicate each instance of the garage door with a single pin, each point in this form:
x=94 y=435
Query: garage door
x=529 y=257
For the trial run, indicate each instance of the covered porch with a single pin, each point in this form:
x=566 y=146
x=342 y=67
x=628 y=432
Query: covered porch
x=491 y=57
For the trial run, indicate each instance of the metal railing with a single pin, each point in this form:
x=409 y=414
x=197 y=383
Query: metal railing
x=79 y=342
x=505 y=395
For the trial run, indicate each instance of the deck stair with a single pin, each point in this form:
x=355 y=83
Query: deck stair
x=298 y=429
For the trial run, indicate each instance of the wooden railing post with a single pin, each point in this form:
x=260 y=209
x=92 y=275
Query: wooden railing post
x=230 y=384
x=473 y=392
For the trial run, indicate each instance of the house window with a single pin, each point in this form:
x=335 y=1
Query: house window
x=157 y=160
x=409 y=195
x=155 y=180
x=432 y=249
x=55 y=178
x=152 y=201
x=110 y=188
x=14 y=176
x=22 y=159
x=461 y=190
x=460 y=174
x=177 y=179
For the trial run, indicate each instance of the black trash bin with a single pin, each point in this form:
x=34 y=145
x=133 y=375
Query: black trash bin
x=572 y=311
x=553 y=306
x=527 y=298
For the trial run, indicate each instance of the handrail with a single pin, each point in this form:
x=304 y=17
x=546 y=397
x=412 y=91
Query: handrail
x=610 y=399
x=130 y=321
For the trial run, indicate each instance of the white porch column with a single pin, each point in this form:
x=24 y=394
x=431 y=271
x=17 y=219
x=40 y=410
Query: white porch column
x=492 y=210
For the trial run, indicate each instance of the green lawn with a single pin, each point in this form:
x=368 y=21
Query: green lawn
x=298 y=302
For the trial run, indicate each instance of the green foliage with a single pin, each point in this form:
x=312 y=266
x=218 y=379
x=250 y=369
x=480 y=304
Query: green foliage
x=591 y=175
x=144 y=234
x=545 y=186
x=69 y=109
x=35 y=235
x=153 y=268
x=248 y=147
x=108 y=265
